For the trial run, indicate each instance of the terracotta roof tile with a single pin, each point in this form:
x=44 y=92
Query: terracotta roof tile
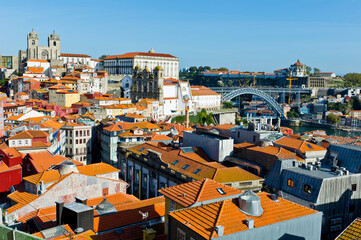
x=133 y=54
x=203 y=219
x=303 y=146
x=187 y=194
x=97 y=169
x=353 y=231
x=45 y=176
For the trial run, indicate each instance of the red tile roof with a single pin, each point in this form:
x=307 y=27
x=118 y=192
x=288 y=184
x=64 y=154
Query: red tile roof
x=133 y=54
x=73 y=55
x=187 y=194
x=226 y=213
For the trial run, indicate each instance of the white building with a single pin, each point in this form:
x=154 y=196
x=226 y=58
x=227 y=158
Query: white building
x=75 y=58
x=126 y=85
x=124 y=64
x=36 y=67
x=177 y=97
x=298 y=69
x=206 y=98
x=96 y=64
x=326 y=74
x=78 y=142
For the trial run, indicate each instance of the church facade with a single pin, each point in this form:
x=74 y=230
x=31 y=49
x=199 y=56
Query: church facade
x=34 y=51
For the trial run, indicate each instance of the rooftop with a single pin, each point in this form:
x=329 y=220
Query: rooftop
x=204 y=218
x=187 y=194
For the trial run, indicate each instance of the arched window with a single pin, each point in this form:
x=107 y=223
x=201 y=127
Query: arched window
x=54 y=43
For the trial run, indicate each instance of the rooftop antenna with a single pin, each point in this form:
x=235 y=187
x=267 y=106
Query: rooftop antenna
x=238 y=66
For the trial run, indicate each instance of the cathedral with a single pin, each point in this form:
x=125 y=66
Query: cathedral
x=34 y=51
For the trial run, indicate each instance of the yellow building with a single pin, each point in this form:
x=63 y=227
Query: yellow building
x=65 y=97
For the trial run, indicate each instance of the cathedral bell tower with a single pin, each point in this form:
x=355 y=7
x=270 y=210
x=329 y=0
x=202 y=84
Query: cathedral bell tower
x=54 y=45
x=33 y=43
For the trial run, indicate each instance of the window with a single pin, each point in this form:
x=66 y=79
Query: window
x=88 y=133
x=180 y=234
x=221 y=191
x=290 y=183
x=76 y=133
x=172 y=205
x=76 y=141
x=71 y=141
x=197 y=171
x=185 y=167
x=175 y=162
x=307 y=188
x=354 y=187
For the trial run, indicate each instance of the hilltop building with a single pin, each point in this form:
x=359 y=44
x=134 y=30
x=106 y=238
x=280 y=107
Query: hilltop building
x=124 y=64
x=34 y=51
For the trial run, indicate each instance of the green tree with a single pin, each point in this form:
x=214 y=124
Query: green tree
x=227 y=104
x=308 y=70
x=333 y=119
x=316 y=71
x=352 y=79
x=293 y=113
x=193 y=69
x=103 y=56
x=222 y=69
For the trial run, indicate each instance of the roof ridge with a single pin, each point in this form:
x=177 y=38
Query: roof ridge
x=218 y=217
x=201 y=190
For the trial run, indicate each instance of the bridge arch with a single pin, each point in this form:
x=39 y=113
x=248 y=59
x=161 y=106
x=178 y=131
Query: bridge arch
x=274 y=105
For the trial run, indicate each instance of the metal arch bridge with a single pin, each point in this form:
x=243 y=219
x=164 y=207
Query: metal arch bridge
x=224 y=90
x=274 y=105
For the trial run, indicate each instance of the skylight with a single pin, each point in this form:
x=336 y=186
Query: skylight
x=185 y=167
x=197 y=171
x=175 y=162
x=309 y=145
x=220 y=190
x=141 y=149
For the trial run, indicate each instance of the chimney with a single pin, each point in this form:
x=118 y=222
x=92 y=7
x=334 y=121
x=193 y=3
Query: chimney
x=220 y=230
x=250 y=223
x=82 y=200
x=59 y=212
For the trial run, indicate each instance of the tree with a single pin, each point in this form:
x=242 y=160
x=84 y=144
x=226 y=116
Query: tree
x=222 y=69
x=103 y=56
x=293 y=114
x=352 y=79
x=316 y=71
x=207 y=68
x=308 y=70
x=333 y=119
x=227 y=104
x=193 y=69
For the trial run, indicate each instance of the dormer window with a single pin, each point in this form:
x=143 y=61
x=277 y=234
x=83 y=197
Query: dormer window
x=307 y=188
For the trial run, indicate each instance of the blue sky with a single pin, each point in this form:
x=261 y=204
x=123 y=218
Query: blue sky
x=259 y=35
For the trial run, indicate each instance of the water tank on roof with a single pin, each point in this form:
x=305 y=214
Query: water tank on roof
x=250 y=204
x=67 y=167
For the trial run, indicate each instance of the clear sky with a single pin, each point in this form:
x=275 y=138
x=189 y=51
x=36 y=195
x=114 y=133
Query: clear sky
x=257 y=35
